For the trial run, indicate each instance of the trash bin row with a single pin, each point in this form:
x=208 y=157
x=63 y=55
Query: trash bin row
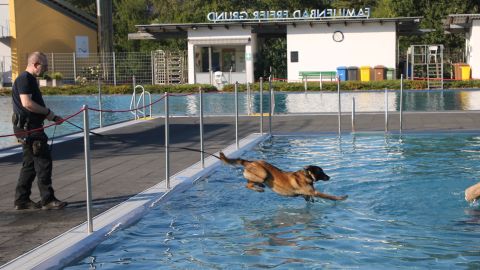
x=379 y=73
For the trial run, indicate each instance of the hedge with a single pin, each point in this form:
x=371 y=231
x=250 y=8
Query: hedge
x=278 y=86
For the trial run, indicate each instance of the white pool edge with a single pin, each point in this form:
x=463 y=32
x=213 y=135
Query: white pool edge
x=75 y=243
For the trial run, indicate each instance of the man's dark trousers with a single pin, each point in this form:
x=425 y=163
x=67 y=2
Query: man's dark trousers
x=39 y=165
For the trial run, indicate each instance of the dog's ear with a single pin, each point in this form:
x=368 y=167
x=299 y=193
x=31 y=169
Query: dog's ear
x=308 y=171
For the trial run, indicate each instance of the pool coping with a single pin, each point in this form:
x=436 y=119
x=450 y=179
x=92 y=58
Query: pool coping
x=76 y=242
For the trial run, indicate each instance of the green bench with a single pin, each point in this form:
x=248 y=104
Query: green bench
x=326 y=75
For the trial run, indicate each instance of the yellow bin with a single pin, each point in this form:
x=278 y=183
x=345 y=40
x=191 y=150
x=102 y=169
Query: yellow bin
x=465 y=73
x=365 y=73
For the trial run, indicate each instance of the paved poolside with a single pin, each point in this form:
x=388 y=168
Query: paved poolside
x=131 y=160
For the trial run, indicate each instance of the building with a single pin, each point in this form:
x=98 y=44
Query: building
x=48 y=26
x=225 y=49
x=470 y=25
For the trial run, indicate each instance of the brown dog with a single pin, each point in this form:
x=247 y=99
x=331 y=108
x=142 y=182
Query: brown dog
x=300 y=183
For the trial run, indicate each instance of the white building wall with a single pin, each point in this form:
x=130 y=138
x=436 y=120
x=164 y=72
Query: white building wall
x=367 y=44
x=473 y=43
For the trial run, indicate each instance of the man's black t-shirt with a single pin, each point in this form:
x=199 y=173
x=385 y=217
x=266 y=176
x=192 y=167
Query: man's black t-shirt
x=26 y=83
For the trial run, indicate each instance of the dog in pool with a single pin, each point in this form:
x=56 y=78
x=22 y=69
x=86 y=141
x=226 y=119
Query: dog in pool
x=260 y=173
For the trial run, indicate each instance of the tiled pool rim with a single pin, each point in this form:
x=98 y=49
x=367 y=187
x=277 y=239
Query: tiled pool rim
x=76 y=243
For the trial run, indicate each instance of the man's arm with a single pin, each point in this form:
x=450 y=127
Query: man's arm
x=32 y=106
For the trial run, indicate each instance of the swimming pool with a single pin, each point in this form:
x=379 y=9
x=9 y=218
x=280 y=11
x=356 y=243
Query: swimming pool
x=223 y=104
x=405 y=209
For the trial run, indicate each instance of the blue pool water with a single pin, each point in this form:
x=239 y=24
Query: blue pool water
x=223 y=104
x=406 y=209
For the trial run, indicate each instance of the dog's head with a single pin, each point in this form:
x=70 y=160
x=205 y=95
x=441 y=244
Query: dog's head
x=316 y=173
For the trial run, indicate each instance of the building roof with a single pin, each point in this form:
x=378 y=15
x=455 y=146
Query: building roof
x=459 y=23
x=406 y=25
x=73 y=12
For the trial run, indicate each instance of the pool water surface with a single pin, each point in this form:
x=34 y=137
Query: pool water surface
x=406 y=208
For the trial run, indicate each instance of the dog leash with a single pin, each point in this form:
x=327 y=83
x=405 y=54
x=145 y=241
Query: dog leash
x=114 y=139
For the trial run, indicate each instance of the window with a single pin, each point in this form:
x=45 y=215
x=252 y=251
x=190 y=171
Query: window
x=294 y=57
x=228 y=60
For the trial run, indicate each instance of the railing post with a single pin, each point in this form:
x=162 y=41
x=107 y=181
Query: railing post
x=167 y=144
x=401 y=103
x=100 y=114
x=321 y=81
x=353 y=114
x=339 y=107
x=236 y=115
x=88 y=171
x=135 y=97
x=114 y=69
x=200 y=107
x=261 y=105
x=305 y=82
x=386 y=110
x=270 y=109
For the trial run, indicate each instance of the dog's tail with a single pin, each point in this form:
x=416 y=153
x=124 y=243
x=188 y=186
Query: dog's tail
x=233 y=161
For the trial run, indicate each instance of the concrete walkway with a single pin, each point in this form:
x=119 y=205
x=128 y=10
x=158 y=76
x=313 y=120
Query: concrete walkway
x=130 y=159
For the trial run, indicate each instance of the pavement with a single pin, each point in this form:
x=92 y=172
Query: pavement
x=130 y=159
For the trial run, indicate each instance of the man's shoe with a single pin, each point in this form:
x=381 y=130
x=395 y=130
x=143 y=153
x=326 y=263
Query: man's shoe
x=27 y=205
x=54 y=205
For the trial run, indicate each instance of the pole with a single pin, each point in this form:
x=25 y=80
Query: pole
x=100 y=115
x=167 y=143
x=261 y=105
x=200 y=94
x=236 y=115
x=401 y=103
x=114 y=69
x=386 y=110
x=270 y=109
x=321 y=81
x=353 y=114
x=339 y=107
x=134 y=97
x=88 y=171
x=74 y=68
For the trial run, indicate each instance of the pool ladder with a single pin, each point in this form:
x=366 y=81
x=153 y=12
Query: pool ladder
x=140 y=112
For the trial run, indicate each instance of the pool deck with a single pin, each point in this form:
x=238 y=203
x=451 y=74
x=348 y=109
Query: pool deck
x=130 y=159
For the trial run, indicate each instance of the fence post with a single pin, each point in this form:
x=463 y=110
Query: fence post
x=386 y=110
x=270 y=109
x=339 y=107
x=52 y=64
x=88 y=171
x=200 y=94
x=305 y=82
x=167 y=143
x=401 y=103
x=74 y=68
x=152 y=66
x=261 y=105
x=114 y=69
x=236 y=115
x=353 y=114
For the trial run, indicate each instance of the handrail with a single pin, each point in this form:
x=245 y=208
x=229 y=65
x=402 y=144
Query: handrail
x=135 y=104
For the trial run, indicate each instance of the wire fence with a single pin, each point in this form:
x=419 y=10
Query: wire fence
x=156 y=67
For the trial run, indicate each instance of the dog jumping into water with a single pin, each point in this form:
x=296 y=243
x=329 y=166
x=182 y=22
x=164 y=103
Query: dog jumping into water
x=300 y=183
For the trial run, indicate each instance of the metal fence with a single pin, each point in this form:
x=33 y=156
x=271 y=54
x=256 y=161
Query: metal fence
x=156 y=67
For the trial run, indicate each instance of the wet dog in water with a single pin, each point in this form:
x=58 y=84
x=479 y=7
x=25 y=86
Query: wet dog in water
x=300 y=183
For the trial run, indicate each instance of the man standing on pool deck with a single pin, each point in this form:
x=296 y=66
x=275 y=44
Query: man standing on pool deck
x=29 y=112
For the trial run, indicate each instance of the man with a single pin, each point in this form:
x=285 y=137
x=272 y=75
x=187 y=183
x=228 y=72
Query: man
x=29 y=112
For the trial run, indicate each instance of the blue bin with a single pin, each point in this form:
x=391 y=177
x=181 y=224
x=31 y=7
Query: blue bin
x=342 y=73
